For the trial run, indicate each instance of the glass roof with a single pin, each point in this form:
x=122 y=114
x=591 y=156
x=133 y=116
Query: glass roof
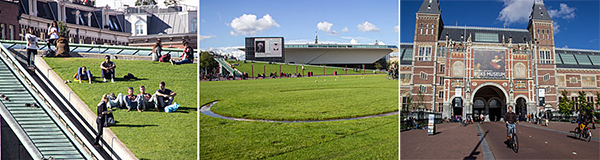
x=568 y=59
x=595 y=60
x=583 y=59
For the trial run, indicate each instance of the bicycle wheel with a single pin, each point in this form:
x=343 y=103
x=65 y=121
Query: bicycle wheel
x=589 y=135
x=515 y=143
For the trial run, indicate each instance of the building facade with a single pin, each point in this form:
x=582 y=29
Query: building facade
x=171 y=25
x=462 y=70
x=87 y=24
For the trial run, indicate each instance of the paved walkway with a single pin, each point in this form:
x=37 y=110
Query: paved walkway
x=452 y=141
x=565 y=127
x=206 y=111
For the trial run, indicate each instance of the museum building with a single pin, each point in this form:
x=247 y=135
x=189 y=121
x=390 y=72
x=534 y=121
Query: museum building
x=463 y=70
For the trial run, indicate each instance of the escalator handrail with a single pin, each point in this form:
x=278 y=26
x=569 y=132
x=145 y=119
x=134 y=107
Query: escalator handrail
x=67 y=123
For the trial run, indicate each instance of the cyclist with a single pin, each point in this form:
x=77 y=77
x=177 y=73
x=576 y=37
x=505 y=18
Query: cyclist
x=582 y=121
x=510 y=118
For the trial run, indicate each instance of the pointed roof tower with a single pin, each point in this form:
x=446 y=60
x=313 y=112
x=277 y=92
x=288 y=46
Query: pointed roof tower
x=430 y=6
x=539 y=12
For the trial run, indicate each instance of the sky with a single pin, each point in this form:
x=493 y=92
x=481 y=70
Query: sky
x=225 y=24
x=576 y=23
x=116 y=3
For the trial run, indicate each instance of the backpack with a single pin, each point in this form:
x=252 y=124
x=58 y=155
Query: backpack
x=165 y=58
x=110 y=120
x=49 y=53
x=129 y=76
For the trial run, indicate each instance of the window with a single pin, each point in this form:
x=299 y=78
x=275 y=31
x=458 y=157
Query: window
x=432 y=27
x=194 y=27
x=545 y=57
x=576 y=104
x=441 y=80
x=441 y=94
x=424 y=75
x=590 y=99
x=546 y=77
x=423 y=89
x=547 y=89
x=426 y=29
x=139 y=27
x=543 y=35
x=441 y=52
x=421 y=29
x=2 y=30
x=538 y=33
x=11 y=32
x=405 y=102
x=81 y=21
x=442 y=68
x=486 y=37
x=424 y=54
x=548 y=32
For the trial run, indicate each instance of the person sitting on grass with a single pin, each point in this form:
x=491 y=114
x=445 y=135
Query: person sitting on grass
x=115 y=101
x=108 y=69
x=143 y=99
x=83 y=74
x=163 y=97
x=130 y=100
x=188 y=55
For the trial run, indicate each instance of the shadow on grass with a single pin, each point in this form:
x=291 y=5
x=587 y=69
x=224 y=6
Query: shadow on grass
x=184 y=110
x=132 y=125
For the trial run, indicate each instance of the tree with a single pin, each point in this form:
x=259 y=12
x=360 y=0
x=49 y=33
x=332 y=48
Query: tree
x=565 y=105
x=145 y=2
x=64 y=30
x=584 y=105
x=421 y=98
x=207 y=62
x=170 y=3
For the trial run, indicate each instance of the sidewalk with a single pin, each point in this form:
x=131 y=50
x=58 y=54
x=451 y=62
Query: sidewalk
x=565 y=127
x=452 y=141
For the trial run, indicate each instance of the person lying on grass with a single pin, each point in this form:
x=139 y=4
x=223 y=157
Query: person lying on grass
x=162 y=97
x=83 y=74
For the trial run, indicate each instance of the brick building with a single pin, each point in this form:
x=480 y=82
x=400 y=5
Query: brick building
x=460 y=70
x=9 y=22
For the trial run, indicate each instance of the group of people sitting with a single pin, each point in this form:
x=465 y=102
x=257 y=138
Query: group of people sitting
x=187 y=57
x=161 y=98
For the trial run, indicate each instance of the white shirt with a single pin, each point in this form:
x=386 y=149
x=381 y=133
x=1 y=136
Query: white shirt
x=51 y=30
x=32 y=41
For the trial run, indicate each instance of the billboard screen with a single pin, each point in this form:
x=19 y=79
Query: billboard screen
x=489 y=64
x=268 y=47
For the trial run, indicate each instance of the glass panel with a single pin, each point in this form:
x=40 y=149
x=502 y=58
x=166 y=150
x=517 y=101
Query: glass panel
x=595 y=60
x=115 y=51
x=558 y=61
x=486 y=37
x=568 y=59
x=81 y=49
x=583 y=59
x=128 y=52
x=145 y=53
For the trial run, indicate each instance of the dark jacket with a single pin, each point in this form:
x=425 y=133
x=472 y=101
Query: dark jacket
x=510 y=117
x=101 y=108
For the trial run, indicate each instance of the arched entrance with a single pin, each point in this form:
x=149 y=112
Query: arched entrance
x=490 y=100
x=521 y=107
x=457 y=106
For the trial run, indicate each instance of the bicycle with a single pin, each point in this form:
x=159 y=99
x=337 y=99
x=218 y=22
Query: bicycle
x=585 y=133
x=513 y=141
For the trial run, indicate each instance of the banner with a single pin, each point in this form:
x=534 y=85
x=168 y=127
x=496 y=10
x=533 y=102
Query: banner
x=489 y=64
x=267 y=47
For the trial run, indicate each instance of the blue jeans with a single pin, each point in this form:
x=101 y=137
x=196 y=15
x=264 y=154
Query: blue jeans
x=129 y=103
x=184 y=61
x=510 y=127
x=83 y=76
x=142 y=102
x=112 y=103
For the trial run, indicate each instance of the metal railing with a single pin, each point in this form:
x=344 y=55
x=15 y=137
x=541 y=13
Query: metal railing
x=58 y=115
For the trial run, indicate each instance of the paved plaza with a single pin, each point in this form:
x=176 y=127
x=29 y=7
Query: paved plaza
x=487 y=141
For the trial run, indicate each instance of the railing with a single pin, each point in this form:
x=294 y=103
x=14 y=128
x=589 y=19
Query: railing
x=76 y=136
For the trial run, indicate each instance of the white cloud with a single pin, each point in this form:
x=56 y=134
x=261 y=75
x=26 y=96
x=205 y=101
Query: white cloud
x=555 y=28
x=380 y=43
x=345 y=29
x=326 y=26
x=203 y=38
x=235 y=51
x=565 y=12
x=232 y=33
x=247 y=24
x=515 y=11
x=353 y=41
x=397 y=28
x=367 y=27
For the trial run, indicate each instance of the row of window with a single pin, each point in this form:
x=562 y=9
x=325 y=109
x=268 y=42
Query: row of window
x=545 y=34
x=545 y=57
x=424 y=54
x=7 y=34
x=427 y=29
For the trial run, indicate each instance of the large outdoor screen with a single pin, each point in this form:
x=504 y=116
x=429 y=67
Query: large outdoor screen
x=268 y=47
x=489 y=64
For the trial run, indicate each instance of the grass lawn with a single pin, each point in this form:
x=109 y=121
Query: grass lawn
x=267 y=68
x=149 y=134
x=301 y=98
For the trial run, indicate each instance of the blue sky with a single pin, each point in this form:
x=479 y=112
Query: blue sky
x=578 y=21
x=224 y=24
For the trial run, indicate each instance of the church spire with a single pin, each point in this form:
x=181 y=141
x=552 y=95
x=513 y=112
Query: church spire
x=539 y=12
x=430 y=6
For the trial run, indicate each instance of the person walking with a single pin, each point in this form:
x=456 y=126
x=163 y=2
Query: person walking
x=102 y=112
x=32 y=47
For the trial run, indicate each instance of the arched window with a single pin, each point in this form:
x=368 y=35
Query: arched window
x=139 y=27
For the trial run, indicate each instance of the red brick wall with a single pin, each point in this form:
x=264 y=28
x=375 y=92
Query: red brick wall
x=9 y=14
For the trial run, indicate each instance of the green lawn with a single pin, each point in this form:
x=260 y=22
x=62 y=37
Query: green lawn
x=301 y=98
x=260 y=68
x=149 y=134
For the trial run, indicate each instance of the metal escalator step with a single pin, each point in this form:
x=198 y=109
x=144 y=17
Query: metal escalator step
x=56 y=153
x=35 y=122
x=28 y=115
x=55 y=145
x=41 y=129
x=33 y=119
x=36 y=141
x=31 y=126
x=48 y=137
x=67 y=157
x=47 y=133
x=28 y=112
x=57 y=149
